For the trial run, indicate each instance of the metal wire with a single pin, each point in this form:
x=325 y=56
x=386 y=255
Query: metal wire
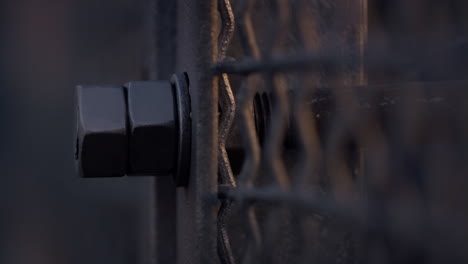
x=346 y=171
x=226 y=120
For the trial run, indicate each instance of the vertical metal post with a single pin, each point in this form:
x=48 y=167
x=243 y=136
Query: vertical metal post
x=196 y=51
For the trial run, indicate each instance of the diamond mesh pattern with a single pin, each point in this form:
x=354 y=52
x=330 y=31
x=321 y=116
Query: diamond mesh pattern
x=352 y=149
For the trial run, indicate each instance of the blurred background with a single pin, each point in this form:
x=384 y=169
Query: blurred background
x=48 y=214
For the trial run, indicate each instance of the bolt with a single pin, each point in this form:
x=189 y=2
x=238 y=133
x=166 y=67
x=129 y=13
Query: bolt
x=142 y=128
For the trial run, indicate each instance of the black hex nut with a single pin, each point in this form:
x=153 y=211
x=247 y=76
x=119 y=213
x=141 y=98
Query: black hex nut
x=101 y=141
x=142 y=128
x=152 y=117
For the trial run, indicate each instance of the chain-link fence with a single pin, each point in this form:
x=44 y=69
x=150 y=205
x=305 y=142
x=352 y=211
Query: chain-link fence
x=342 y=131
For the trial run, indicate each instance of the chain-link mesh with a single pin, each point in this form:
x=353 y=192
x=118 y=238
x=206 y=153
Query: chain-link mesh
x=350 y=120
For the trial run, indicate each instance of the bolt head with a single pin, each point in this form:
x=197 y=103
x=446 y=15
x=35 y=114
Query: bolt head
x=101 y=140
x=152 y=117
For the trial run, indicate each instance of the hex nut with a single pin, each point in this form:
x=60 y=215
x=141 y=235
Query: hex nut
x=152 y=118
x=101 y=140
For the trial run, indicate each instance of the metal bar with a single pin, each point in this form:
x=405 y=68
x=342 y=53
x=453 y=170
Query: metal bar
x=287 y=63
x=421 y=60
x=402 y=227
x=196 y=212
